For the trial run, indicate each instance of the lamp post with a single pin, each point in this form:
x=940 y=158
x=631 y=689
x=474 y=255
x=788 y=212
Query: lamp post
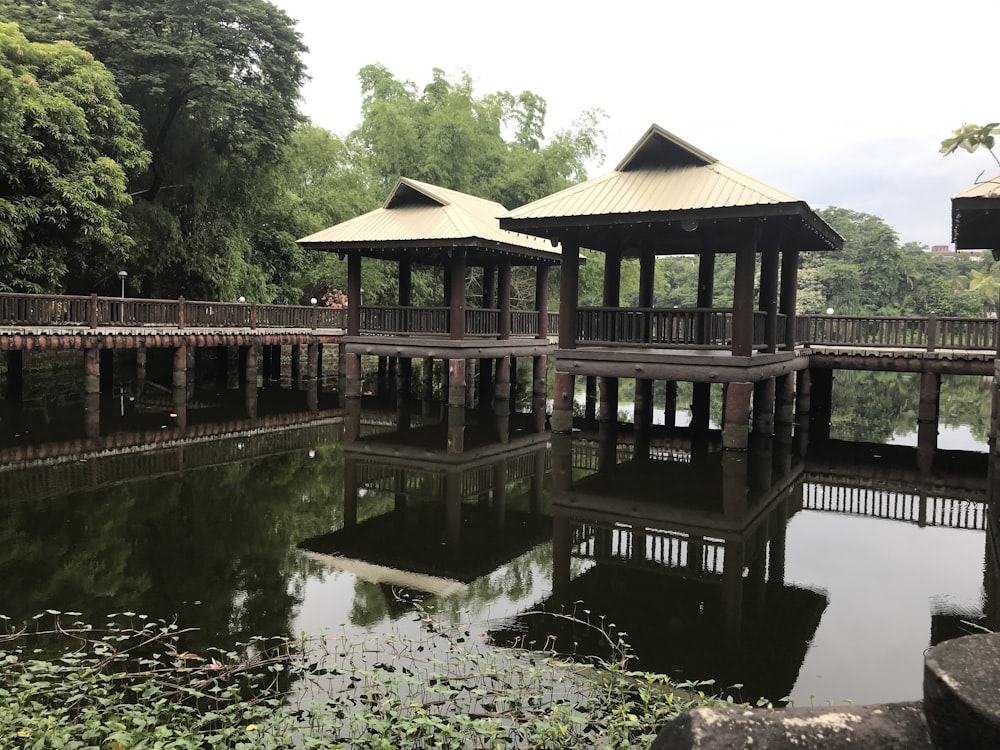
x=122 y=275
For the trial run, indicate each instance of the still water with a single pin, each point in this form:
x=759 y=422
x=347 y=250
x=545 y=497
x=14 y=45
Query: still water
x=823 y=576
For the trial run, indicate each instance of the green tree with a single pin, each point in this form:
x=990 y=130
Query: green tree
x=216 y=84
x=67 y=144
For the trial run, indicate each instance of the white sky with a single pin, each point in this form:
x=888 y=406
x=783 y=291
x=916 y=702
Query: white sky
x=839 y=103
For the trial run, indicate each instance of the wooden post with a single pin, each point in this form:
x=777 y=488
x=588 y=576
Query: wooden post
x=821 y=403
x=562 y=406
x=789 y=290
x=706 y=289
x=701 y=400
x=569 y=287
x=670 y=404
x=92 y=370
x=612 y=278
x=643 y=418
x=501 y=392
x=456 y=305
x=180 y=367
x=405 y=288
x=647 y=267
x=736 y=420
x=181 y=312
x=92 y=311
x=932 y=332
x=927 y=419
x=542 y=299
x=764 y=407
x=296 y=354
x=354 y=294
x=746 y=261
x=489 y=285
x=590 y=404
x=503 y=293
x=768 y=296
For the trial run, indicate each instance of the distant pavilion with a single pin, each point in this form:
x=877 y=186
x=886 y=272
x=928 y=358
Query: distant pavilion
x=424 y=224
x=667 y=197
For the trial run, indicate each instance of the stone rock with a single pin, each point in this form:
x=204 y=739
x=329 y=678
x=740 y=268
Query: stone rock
x=962 y=692
x=893 y=726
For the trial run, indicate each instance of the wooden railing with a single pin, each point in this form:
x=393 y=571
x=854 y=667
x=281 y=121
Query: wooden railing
x=434 y=321
x=51 y=310
x=929 y=334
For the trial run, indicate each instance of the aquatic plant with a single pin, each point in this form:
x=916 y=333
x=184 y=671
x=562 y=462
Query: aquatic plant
x=129 y=683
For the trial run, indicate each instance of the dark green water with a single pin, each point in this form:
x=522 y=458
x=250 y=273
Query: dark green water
x=842 y=567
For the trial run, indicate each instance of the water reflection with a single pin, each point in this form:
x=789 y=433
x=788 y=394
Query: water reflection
x=826 y=574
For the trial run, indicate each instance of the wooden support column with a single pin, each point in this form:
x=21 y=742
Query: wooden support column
x=485 y=381
x=276 y=365
x=569 y=288
x=352 y=376
x=180 y=367
x=706 y=290
x=453 y=511
x=265 y=364
x=736 y=419
x=499 y=504
x=607 y=425
x=763 y=407
x=643 y=418
x=784 y=407
x=927 y=419
x=539 y=387
x=562 y=406
x=107 y=371
x=404 y=381
x=562 y=545
x=768 y=296
x=392 y=375
x=248 y=364
x=670 y=404
x=350 y=492
x=647 y=268
x=701 y=402
x=470 y=383
x=405 y=282
x=501 y=393
x=312 y=360
x=803 y=408
x=456 y=302
x=789 y=291
x=426 y=386
x=537 y=482
x=92 y=415
x=612 y=278
x=489 y=285
x=353 y=294
x=382 y=376
x=456 y=406
x=821 y=403
x=503 y=294
x=15 y=375
x=542 y=299
x=590 y=405
x=746 y=262
x=296 y=354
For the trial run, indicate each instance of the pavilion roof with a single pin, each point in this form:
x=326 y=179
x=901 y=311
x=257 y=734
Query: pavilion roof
x=975 y=216
x=664 y=179
x=418 y=218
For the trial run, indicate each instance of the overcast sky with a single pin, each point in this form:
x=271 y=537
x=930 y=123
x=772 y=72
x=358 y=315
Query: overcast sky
x=839 y=103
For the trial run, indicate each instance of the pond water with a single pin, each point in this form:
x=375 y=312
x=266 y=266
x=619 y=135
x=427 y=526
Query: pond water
x=823 y=576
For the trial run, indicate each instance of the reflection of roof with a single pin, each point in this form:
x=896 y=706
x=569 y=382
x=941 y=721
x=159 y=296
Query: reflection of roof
x=681 y=629
x=667 y=177
x=417 y=214
x=404 y=579
x=415 y=540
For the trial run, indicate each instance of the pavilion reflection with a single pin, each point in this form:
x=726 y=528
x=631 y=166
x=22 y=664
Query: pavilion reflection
x=419 y=517
x=686 y=555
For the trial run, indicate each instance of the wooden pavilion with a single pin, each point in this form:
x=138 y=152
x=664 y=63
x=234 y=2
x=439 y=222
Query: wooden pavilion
x=667 y=197
x=425 y=224
x=975 y=225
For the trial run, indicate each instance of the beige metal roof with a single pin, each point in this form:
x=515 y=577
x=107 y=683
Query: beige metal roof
x=660 y=173
x=422 y=214
x=987 y=189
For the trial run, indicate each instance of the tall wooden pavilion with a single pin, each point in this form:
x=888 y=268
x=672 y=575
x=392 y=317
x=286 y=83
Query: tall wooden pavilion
x=424 y=224
x=975 y=225
x=667 y=197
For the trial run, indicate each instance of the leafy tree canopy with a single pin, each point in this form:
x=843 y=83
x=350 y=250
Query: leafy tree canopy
x=67 y=144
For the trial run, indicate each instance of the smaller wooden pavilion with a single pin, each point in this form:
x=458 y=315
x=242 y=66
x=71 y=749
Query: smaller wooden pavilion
x=975 y=225
x=667 y=197
x=424 y=224
x=975 y=217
